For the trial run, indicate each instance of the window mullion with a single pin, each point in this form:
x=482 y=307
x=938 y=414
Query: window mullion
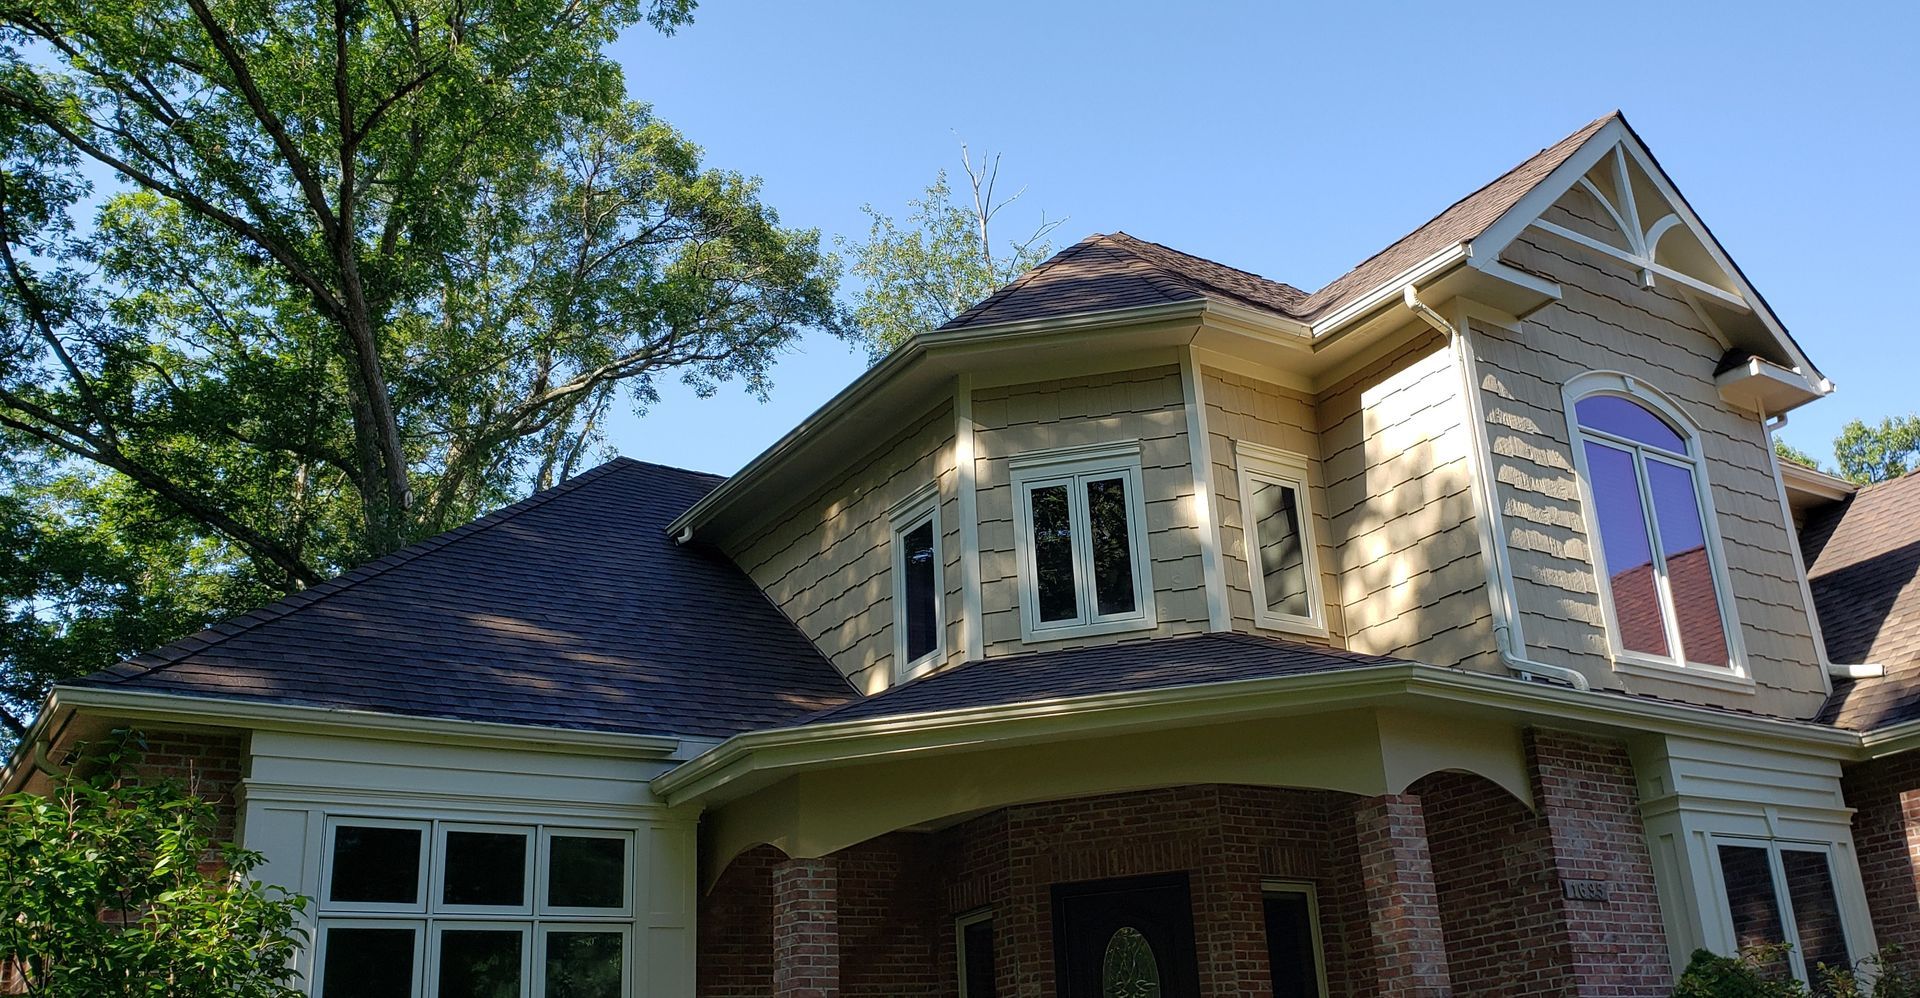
x=1783 y=901
x=1669 y=614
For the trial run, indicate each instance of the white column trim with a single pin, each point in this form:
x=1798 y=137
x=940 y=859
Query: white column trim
x=966 y=482
x=1200 y=447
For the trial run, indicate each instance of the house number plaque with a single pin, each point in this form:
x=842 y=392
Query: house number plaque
x=1585 y=890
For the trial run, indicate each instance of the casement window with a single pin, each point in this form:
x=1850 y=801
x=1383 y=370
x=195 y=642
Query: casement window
x=1276 y=513
x=1664 y=588
x=973 y=943
x=445 y=908
x=1778 y=893
x=1294 y=954
x=1080 y=528
x=918 y=621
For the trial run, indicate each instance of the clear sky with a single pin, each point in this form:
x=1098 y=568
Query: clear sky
x=1294 y=140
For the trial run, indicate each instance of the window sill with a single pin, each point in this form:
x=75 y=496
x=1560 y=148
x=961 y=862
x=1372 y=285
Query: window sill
x=1697 y=675
x=1294 y=626
x=1093 y=630
x=919 y=667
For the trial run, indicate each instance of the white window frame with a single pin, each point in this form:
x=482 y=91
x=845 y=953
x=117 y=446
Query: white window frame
x=545 y=867
x=538 y=963
x=439 y=927
x=1782 y=899
x=960 y=927
x=437 y=876
x=1313 y=916
x=423 y=888
x=1734 y=675
x=1074 y=467
x=921 y=507
x=1271 y=466
x=322 y=937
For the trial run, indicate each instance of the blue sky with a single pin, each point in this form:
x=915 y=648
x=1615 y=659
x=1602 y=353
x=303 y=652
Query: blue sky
x=1295 y=140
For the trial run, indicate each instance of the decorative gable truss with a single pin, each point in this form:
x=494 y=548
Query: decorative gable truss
x=1611 y=196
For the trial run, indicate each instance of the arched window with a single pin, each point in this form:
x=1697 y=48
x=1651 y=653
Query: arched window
x=1664 y=586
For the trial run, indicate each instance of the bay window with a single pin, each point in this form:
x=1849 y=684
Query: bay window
x=1780 y=896
x=1080 y=529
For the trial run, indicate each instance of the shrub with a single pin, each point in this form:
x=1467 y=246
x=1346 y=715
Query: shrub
x=1760 y=972
x=113 y=886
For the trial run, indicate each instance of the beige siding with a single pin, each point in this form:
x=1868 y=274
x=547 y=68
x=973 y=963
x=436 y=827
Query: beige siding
x=828 y=564
x=1397 y=483
x=1145 y=405
x=1607 y=321
x=1242 y=408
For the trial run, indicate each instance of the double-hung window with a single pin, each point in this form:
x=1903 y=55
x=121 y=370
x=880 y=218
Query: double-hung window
x=1276 y=514
x=462 y=910
x=1080 y=527
x=918 y=623
x=1664 y=586
x=1780 y=896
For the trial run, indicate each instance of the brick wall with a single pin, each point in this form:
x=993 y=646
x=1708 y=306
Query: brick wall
x=1885 y=794
x=209 y=764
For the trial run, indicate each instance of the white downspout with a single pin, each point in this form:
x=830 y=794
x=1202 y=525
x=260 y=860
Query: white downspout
x=1493 y=552
x=1832 y=669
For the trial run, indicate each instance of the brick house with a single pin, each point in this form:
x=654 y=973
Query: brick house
x=1151 y=628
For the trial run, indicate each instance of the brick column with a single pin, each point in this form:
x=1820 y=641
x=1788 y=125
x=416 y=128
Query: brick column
x=1403 y=906
x=806 y=929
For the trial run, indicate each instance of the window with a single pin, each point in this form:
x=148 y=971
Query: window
x=1080 y=526
x=1665 y=594
x=1293 y=941
x=918 y=626
x=1783 y=892
x=1276 y=514
x=973 y=939
x=458 y=910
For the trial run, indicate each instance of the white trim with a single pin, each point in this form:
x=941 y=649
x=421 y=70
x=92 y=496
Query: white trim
x=1389 y=289
x=440 y=926
x=324 y=927
x=437 y=875
x=966 y=482
x=543 y=929
x=1075 y=468
x=1253 y=462
x=923 y=507
x=423 y=883
x=1735 y=674
x=1206 y=518
x=961 y=924
x=1312 y=894
x=545 y=909
x=1850 y=930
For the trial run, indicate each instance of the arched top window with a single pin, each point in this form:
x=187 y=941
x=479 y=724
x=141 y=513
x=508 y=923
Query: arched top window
x=1665 y=593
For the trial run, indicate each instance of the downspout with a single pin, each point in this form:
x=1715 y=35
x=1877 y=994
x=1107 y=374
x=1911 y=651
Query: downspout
x=1511 y=646
x=1832 y=669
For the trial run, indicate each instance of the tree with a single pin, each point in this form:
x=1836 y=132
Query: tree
x=920 y=275
x=108 y=891
x=1788 y=452
x=292 y=285
x=1877 y=453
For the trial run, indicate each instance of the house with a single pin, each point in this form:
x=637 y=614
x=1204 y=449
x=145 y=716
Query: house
x=1151 y=628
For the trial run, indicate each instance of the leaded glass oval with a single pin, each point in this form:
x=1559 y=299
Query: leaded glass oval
x=1129 y=969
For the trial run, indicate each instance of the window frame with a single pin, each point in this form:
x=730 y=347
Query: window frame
x=437 y=874
x=438 y=928
x=1256 y=463
x=905 y=517
x=1782 y=897
x=961 y=924
x=1312 y=895
x=423 y=898
x=543 y=910
x=1074 y=467
x=322 y=938
x=1673 y=666
x=537 y=962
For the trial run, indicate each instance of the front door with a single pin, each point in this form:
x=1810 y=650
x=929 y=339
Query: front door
x=1130 y=938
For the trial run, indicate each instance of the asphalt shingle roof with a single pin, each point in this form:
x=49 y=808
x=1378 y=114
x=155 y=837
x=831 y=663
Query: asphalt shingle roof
x=1156 y=663
x=571 y=609
x=1863 y=564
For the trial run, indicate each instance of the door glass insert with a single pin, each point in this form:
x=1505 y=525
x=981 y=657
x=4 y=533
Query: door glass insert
x=1129 y=970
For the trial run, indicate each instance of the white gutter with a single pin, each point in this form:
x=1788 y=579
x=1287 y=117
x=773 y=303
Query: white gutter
x=1829 y=668
x=1511 y=644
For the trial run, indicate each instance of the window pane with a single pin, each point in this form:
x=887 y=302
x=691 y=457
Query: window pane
x=1112 y=546
x=1295 y=966
x=485 y=868
x=1750 y=898
x=480 y=963
x=375 y=865
x=1275 y=512
x=1624 y=418
x=1816 y=912
x=920 y=578
x=1676 y=508
x=368 y=963
x=1053 y=553
x=978 y=959
x=586 y=872
x=1627 y=549
x=584 y=964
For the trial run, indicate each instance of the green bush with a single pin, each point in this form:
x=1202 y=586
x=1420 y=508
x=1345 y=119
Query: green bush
x=1760 y=972
x=113 y=886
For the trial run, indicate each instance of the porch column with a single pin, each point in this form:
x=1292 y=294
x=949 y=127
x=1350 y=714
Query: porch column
x=806 y=929
x=1403 y=906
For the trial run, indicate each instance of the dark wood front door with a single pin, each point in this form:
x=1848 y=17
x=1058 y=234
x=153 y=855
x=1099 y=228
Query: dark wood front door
x=1129 y=938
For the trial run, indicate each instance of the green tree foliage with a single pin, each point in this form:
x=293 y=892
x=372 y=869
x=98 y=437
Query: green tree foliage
x=1877 y=453
x=117 y=887
x=1788 y=452
x=1760 y=972
x=284 y=286
x=917 y=275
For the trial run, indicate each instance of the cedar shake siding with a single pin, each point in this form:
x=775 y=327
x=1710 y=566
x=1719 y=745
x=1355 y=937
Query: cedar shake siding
x=1607 y=321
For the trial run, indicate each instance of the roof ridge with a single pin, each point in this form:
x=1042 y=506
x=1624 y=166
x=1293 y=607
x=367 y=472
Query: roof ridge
x=149 y=662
